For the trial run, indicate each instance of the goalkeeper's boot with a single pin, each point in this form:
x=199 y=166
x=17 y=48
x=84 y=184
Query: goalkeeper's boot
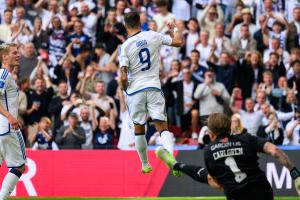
x=168 y=159
x=146 y=168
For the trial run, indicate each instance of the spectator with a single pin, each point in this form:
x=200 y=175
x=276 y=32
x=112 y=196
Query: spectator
x=38 y=100
x=72 y=106
x=212 y=96
x=163 y=16
x=246 y=20
x=191 y=37
x=120 y=8
x=245 y=43
x=277 y=70
x=28 y=61
x=24 y=87
x=186 y=105
x=43 y=136
x=57 y=39
x=104 y=67
x=220 y=42
x=103 y=135
x=273 y=131
x=87 y=81
x=90 y=22
x=87 y=126
x=40 y=37
x=237 y=125
x=294 y=31
x=78 y=38
x=211 y=16
x=197 y=70
x=204 y=47
x=292 y=136
x=67 y=70
x=267 y=110
x=105 y=102
x=249 y=74
x=282 y=55
x=294 y=82
x=56 y=104
x=251 y=119
x=5 y=28
x=258 y=35
x=71 y=136
x=225 y=71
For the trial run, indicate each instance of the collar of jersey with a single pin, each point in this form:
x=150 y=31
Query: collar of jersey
x=134 y=34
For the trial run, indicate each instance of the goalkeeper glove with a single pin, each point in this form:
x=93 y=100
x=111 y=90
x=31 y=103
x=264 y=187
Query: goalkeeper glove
x=295 y=174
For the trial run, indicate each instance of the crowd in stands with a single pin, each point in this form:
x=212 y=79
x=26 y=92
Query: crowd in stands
x=240 y=57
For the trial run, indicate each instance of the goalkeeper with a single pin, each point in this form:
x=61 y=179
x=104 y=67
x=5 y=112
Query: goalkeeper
x=232 y=162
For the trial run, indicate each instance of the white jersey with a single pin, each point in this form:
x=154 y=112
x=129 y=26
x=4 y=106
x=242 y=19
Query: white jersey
x=140 y=54
x=9 y=99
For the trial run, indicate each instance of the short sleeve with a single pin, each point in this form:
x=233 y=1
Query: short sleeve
x=123 y=59
x=4 y=77
x=165 y=39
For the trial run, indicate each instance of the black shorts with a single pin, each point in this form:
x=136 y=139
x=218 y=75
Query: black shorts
x=258 y=190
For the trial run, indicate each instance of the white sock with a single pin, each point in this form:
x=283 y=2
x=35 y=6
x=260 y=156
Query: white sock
x=8 y=185
x=141 y=147
x=167 y=140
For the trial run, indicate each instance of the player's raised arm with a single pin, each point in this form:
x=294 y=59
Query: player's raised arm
x=283 y=159
x=176 y=35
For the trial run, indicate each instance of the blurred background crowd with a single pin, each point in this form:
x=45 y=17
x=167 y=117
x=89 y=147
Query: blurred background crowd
x=240 y=57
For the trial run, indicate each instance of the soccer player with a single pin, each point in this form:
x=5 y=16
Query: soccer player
x=12 y=148
x=232 y=162
x=140 y=65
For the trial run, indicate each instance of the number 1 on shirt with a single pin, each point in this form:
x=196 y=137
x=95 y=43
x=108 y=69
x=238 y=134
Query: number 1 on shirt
x=145 y=59
x=238 y=175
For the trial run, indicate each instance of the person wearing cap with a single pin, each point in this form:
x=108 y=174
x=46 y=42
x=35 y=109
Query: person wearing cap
x=246 y=19
x=71 y=136
x=212 y=96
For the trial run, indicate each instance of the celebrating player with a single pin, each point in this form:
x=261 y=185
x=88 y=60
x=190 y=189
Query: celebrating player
x=12 y=148
x=140 y=64
x=231 y=161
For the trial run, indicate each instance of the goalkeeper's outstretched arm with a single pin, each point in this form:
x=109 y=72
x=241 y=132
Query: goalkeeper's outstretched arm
x=283 y=159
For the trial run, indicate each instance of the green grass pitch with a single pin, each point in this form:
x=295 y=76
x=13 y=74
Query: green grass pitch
x=137 y=198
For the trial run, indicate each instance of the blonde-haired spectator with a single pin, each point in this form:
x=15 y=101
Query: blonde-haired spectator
x=237 y=125
x=43 y=138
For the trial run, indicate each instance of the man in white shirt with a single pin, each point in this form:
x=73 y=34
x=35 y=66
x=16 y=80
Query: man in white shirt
x=90 y=22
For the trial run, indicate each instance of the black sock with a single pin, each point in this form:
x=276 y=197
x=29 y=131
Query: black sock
x=197 y=173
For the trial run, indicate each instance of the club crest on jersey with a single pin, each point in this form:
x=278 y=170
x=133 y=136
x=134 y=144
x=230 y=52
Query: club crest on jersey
x=1 y=84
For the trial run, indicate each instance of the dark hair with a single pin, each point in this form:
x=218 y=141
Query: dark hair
x=295 y=62
x=162 y=3
x=8 y=10
x=275 y=54
x=195 y=51
x=132 y=19
x=193 y=19
x=62 y=81
x=219 y=124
